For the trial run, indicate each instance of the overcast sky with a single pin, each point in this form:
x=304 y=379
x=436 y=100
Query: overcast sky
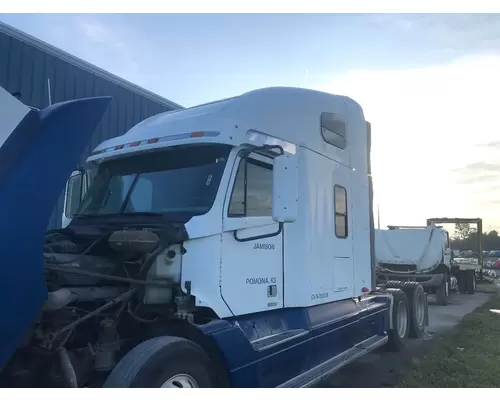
x=430 y=85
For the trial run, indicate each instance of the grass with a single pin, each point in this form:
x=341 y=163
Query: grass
x=468 y=356
x=487 y=288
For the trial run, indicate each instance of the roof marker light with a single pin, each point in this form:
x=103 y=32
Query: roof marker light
x=168 y=138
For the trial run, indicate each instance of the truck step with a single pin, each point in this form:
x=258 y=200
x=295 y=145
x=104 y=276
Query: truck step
x=326 y=368
x=371 y=343
x=274 y=340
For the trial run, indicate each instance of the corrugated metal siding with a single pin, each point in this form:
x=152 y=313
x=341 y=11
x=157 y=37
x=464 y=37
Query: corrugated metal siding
x=25 y=68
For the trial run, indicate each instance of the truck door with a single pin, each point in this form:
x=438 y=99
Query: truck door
x=343 y=262
x=252 y=243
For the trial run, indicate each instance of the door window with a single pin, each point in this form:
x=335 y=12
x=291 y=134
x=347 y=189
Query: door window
x=253 y=190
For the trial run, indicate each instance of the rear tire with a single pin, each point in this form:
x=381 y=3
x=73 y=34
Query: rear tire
x=417 y=305
x=462 y=282
x=400 y=321
x=443 y=291
x=470 y=281
x=163 y=362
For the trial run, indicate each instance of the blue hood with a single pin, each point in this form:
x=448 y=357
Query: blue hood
x=36 y=159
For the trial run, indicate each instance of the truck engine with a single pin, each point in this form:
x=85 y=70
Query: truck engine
x=103 y=289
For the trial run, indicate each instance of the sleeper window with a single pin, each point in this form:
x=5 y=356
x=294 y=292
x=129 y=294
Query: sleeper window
x=334 y=129
x=340 y=198
x=253 y=190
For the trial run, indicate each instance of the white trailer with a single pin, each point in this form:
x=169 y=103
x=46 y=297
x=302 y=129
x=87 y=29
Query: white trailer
x=229 y=244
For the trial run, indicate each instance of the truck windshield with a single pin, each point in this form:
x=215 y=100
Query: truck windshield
x=181 y=180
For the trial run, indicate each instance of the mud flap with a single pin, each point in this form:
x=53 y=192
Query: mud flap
x=39 y=149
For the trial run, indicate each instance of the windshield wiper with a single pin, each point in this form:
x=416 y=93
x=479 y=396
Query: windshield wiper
x=120 y=214
x=139 y=213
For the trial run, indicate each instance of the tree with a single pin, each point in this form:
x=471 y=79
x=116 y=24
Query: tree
x=462 y=231
x=465 y=238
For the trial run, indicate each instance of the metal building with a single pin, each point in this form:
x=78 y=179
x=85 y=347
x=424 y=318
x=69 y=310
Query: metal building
x=40 y=74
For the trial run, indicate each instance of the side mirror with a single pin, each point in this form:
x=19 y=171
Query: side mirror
x=285 y=188
x=75 y=189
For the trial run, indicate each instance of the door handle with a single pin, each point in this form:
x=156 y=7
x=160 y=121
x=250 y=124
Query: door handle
x=265 y=236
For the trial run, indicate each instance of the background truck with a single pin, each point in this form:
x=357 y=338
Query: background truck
x=229 y=244
x=464 y=268
x=420 y=254
x=423 y=254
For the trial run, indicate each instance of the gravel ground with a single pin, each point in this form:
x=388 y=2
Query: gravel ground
x=382 y=369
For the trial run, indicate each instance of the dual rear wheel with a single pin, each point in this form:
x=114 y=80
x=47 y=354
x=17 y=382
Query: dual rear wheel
x=409 y=316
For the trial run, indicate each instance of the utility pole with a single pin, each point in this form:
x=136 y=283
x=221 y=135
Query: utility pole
x=378 y=216
x=49 y=91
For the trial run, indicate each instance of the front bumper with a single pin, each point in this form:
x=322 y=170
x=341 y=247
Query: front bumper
x=432 y=280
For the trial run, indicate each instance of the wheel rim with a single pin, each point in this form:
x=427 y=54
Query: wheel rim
x=420 y=310
x=402 y=318
x=181 y=381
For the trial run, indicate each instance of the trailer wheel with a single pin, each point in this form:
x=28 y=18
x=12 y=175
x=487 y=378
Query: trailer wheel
x=443 y=291
x=400 y=320
x=417 y=304
x=163 y=362
x=470 y=281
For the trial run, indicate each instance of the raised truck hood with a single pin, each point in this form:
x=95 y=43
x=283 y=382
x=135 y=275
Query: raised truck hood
x=422 y=248
x=38 y=152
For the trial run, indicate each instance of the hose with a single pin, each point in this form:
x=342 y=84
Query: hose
x=77 y=271
x=123 y=297
x=83 y=253
x=67 y=368
x=149 y=262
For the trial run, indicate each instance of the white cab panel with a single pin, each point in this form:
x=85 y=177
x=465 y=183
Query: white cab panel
x=318 y=263
x=251 y=252
x=201 y=267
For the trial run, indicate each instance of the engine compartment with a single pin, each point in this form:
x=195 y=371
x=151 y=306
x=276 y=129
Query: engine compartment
x=105 y=290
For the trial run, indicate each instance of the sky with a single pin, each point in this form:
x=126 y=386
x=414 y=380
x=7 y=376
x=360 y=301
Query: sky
x=429 y=84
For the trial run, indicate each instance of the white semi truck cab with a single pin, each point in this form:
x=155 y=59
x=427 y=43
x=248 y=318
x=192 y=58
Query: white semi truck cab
x=229 y=244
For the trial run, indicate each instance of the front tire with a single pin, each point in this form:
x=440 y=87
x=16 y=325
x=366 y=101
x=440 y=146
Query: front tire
x=443 y=291
x=163 y=362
